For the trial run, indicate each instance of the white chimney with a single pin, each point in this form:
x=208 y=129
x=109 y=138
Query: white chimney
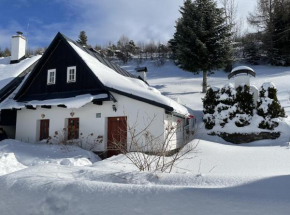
x=141 y=72
x=18 y=47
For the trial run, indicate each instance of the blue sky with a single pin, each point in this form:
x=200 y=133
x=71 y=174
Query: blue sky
x=103 y=20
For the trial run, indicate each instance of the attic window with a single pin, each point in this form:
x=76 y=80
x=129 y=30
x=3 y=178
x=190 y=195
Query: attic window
x=51 y=76
x=71 y=74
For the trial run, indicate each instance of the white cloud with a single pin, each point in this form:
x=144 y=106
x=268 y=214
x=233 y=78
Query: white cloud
x=104 y=21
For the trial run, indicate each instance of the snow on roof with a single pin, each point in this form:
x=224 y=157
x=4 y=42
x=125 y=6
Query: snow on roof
x=267 y=85
x=128 y=85
x=242 y=68
x=73 y=102
x=9 y=71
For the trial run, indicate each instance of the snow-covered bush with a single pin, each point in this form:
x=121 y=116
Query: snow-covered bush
x=224 y=113
x=226 y=109
x=228 y=95
x=245 y=106
x=210 y=101
x=269 y=107
x=230 y=109
x=219 y=106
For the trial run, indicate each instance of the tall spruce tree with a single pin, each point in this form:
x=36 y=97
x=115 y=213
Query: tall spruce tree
x=201 y=37
x=83 y=39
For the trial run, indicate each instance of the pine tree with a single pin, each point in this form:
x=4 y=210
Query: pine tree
x=251 y=53
x=272 y=18
x=202 y=38
x=83 y=39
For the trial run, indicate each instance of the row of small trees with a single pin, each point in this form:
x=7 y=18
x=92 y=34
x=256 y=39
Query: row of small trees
x=125 y=48
x=5 y=53
x=30 y=51
x=220 y=106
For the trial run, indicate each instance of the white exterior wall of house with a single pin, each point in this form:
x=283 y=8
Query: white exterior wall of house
x=28 y=121
x=175 y=138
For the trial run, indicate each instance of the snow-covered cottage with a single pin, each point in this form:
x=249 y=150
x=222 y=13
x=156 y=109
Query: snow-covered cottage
x=13 y=69
x=74 y=87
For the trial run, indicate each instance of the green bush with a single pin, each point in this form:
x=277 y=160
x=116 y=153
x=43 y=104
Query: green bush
x=269 y=107
x=245 y=100
x=210 y=101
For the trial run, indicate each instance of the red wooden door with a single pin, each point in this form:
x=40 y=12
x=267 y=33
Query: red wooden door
x=73 y=128
x=117 y=135
x=44 y=129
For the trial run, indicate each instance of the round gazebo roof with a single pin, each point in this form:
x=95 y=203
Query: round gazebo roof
x=242 y=70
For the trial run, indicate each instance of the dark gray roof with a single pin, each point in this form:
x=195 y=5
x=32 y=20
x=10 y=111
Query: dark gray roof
x=102 y=59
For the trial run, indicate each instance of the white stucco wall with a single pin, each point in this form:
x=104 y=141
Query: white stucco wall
x=175 y=138
x=241 y=80
x=255 y=91
x=138 y=114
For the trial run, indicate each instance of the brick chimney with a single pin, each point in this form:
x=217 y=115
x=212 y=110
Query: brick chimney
x=18 y=47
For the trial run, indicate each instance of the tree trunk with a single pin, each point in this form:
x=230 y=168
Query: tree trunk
x=204 y=82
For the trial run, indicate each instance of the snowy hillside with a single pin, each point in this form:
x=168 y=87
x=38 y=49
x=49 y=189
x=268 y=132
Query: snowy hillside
x=215 y=178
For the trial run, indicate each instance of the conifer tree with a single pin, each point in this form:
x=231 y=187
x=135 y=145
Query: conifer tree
x=245 y=100
x=269 y=107
x=201 y=37
x=251 y=53
x=6 y=52
x=245 y=106
x=83 y=39
x=210 y=101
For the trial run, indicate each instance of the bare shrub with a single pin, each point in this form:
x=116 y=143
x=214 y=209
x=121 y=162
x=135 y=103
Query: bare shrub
x=155 y=153
x=66 y=140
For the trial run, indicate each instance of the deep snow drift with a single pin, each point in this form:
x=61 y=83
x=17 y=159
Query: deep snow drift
x=215 y=178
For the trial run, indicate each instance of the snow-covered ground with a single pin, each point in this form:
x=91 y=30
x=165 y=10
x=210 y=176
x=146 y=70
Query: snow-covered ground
x=215 y=178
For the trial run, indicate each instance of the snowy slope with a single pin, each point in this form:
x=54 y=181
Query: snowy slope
x=216 y=178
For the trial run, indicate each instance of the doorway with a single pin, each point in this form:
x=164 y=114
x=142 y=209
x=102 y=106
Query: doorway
x=44 y=129
x=117 y=135
x=73 y=128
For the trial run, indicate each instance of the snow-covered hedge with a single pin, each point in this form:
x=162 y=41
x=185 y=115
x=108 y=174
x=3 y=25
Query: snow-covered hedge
x=228 y=104
x=269 y=107
x=236 y=107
